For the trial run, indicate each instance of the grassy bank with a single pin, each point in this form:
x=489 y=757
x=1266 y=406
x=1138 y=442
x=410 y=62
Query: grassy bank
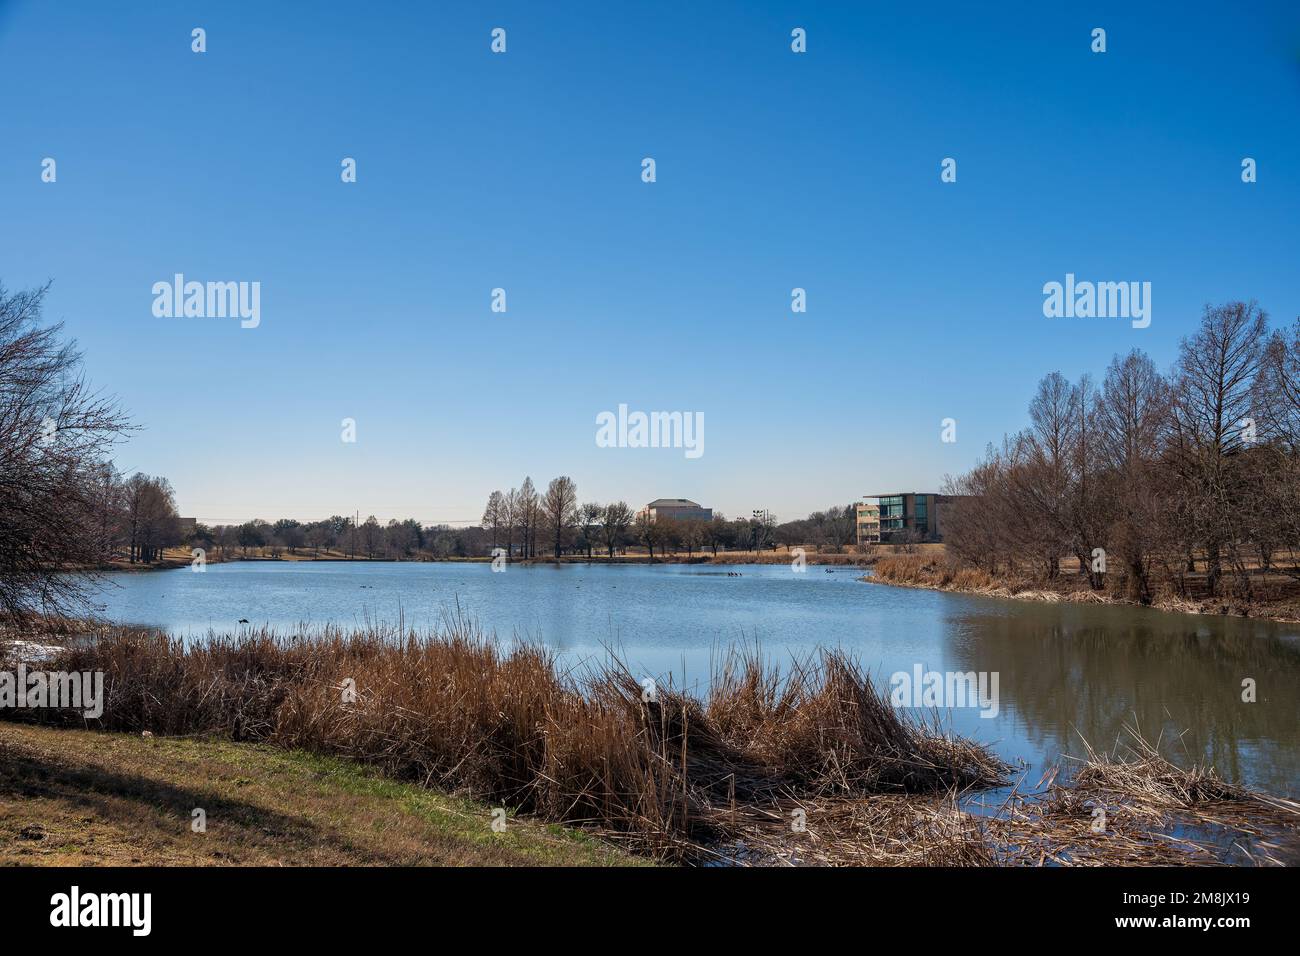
x=1274 y=597
x=87 y=798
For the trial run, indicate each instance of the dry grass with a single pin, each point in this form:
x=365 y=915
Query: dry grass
x=677 y=777
x=1155 y=814
x=881 y=830
x=934 y=571
x=810 y=765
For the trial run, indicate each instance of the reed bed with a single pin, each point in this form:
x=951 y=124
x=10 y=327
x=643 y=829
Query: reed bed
x=934 y=571
x=670 y=773
x=1136 y=808
x=809 y=764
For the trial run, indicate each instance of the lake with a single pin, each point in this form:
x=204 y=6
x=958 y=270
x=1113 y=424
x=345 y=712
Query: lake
x=1066 y=672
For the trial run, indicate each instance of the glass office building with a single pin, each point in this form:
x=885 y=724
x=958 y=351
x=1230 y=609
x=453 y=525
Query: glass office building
x=909 y=515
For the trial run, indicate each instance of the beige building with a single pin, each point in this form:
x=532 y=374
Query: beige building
x=678 y=509
x=868 y=523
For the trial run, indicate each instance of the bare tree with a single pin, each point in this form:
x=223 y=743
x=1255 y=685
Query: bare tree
x=978 y=523
x=108 y=492
x=692 y=536
x=669 y=533
x=1132 y=416
x=718 y=532
x=649 y=531
x=1087 y=506
x=152 y=522
x=317 y=536
x=1216 y=372
x=559 y=508
x=1275 y=478
x=590 y=516
x=55 y=435
x=372 y=535
x=510 y=519
x=492 y=514
x=529 y=512
x=1043 y=481
x=614 y=524
x=835 y=527
x=1277 y=392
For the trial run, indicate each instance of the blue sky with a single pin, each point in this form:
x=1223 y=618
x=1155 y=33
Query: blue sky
x=522 y=171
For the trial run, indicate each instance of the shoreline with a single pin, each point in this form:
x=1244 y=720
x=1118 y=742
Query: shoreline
x=1219 y=607
x=724 y=558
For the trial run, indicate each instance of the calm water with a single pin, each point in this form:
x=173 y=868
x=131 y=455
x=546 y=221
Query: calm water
x=1067 y=672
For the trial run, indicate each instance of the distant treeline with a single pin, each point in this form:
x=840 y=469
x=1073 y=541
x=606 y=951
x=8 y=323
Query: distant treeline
x=524 y=524
x=1182 y=481
x=370 y=539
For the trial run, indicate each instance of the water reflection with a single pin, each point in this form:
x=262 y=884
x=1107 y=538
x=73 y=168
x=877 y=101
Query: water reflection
x=1078 y=672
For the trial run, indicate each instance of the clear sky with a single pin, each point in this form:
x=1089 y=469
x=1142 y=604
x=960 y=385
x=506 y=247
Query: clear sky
x=522 y=171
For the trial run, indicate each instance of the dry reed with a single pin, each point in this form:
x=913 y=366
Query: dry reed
x=810 y=764
x=675 y=775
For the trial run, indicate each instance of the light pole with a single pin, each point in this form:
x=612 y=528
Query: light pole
x=761 y=518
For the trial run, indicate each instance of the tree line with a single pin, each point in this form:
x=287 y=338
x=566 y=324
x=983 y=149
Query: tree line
x=371 y=539
x=590 y=529
x=527 y=524
x=1155 y=482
